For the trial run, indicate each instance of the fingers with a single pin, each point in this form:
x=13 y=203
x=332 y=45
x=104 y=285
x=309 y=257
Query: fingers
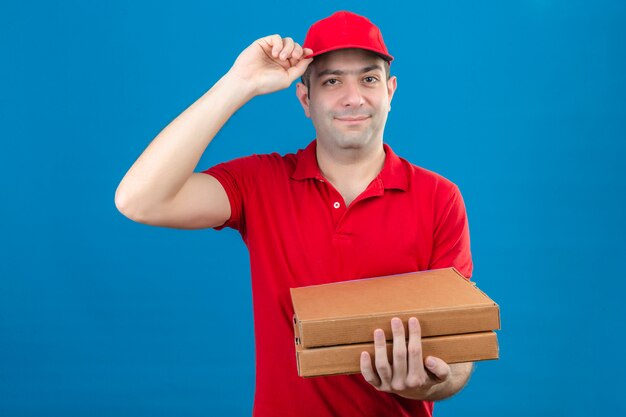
x=287 y=53
x=276 y=43
x=299 y=68
x=285 y=49
x=399 y=355
x=296 y=55
x=416 y=374
x=439 y=370
x=288 y=45
x=368 y=372
x=382 y=362
x=409 y=371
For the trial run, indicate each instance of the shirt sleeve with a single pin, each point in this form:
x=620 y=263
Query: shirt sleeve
x=451 y=240
x=234 y=176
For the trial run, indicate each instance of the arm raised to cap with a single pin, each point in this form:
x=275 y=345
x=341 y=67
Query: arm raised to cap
x=161 y=188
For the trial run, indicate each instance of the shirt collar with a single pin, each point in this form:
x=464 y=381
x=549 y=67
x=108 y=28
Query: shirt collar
x=393 y=175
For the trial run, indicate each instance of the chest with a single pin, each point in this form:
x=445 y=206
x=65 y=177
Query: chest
x=317 y=239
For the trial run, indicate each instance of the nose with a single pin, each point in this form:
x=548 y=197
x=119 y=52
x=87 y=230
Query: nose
x=352 y=94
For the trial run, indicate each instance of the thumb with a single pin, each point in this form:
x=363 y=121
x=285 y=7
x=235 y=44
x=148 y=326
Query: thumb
x=437 y=368
x=299 y=69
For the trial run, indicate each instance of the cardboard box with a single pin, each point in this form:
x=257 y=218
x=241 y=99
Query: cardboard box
x=346 y=359
x=348 y=312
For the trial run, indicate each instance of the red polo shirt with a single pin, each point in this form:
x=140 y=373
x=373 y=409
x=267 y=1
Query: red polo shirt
x=299 y=232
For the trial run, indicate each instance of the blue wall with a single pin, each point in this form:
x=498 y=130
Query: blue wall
x=521 y=103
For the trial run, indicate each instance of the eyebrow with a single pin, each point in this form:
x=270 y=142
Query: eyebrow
x=342 y=72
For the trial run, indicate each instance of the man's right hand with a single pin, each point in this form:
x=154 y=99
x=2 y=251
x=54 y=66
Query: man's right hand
x=270 y=64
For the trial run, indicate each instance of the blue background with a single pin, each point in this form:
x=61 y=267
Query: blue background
x=521 y=103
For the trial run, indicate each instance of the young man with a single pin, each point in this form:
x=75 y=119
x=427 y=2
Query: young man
x=345 y=207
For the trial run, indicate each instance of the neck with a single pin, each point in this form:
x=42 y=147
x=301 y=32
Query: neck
x=351 y=169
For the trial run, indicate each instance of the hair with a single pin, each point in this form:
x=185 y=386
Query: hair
x=306 y=77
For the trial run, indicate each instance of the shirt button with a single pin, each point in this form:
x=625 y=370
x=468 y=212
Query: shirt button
x=336 y=205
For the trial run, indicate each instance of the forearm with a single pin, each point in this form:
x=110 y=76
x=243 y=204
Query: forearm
x=166 y=164
x=459 y=375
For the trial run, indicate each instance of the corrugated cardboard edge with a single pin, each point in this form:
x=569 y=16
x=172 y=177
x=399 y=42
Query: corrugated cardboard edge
x=345 y=359
x=296 y=330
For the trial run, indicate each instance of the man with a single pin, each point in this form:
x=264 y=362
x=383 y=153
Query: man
x=345 y=207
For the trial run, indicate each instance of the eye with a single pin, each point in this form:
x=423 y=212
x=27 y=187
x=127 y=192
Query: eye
x=370 y=79
x=331 y=81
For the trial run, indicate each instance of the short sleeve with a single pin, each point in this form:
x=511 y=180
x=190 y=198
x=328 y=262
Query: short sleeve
x=235 y=176
x=451 y=240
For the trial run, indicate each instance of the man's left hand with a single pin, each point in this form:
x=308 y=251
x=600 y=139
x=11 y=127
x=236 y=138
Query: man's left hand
x=410 y=375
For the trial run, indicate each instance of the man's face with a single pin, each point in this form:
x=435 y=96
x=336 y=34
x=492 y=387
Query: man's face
x=348 y=98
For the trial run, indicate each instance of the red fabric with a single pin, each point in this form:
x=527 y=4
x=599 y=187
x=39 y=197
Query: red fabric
x=408 y=219
x=345 y=30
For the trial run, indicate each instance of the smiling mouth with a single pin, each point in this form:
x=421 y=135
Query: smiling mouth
x=352 y=119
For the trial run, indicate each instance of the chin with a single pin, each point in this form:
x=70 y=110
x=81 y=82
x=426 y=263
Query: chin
x=351 y=145
x=354 y=142
x=348 y=140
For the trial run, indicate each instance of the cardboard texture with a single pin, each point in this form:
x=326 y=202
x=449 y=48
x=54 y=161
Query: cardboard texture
x=337 y=360
x=348 y=312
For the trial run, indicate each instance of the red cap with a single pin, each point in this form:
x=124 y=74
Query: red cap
x=345 y=30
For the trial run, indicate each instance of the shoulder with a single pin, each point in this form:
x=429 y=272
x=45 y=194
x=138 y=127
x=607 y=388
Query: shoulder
x=261 y=160
x=423 y=179
x=257 y=164
x=398 y=172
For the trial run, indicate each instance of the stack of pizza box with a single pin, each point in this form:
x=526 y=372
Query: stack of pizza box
x=334 y=323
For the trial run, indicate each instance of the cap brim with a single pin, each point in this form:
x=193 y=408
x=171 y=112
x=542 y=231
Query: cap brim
x=386 y=57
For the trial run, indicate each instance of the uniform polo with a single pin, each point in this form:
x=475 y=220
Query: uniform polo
x=299 y=231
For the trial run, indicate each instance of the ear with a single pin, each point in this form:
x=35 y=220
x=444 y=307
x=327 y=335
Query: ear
x=392 y=84
x=302 y=92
